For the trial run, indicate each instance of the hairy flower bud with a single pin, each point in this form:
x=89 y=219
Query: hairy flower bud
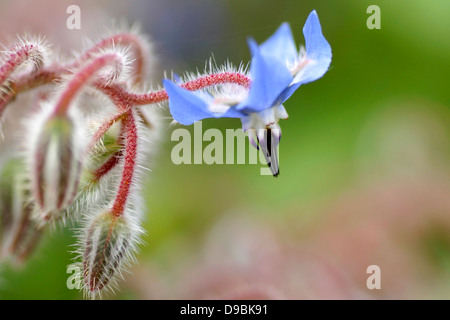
x=108 y=244
x=25 y=234
x=19 y=231
x=6 y=199
x=55 y=165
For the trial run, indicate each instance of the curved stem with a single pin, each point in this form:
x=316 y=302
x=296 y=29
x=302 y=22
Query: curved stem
x=19 y=56
x=121 y=97
x=113 y=160
x=81 y=78
x=108 y=165
x=16 y=59
x=105 y=127
x=53 y=73
x=129 y=166
x=137 y=44
x=118 y=93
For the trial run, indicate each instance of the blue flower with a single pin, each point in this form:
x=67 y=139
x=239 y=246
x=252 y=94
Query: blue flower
x=269 y=79
x=277 y=70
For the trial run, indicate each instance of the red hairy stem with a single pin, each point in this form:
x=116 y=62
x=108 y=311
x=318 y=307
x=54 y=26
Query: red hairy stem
x=105 y=127
x=52 y=73
x=39 y=78
x=217 y=78
x=127 y=39
x=28 y=82
x=122 y=97
x=81 y=78
x=113 y=160
x=118 y=93
x=108 y=165
x=16 y=58
x=129 y=166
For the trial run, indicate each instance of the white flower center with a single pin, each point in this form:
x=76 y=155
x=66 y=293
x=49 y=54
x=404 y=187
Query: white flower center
x=223 y=104
x=301 y=62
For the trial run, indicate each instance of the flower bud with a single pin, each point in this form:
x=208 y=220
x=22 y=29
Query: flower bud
x=6 y=199
x=55 y=166
x=19 y=231
x=25 y=234
x=108 y=243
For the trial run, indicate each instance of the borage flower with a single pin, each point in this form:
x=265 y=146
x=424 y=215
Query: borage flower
x=253 y=105
x=276 y=71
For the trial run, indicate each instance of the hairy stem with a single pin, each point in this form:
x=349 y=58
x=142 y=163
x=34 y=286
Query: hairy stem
x=105 y=127
x=81 y=78
x=128 y=39
x=113 y=160
x=108 y=165
x=118 y=93
x=122 y=97
x=129 y=166
x=18 y=56
x=46 y=76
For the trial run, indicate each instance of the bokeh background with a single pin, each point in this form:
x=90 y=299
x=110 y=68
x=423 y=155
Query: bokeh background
x=365 y=159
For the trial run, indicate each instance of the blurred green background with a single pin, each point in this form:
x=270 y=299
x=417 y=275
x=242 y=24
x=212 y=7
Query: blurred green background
x=364 y=160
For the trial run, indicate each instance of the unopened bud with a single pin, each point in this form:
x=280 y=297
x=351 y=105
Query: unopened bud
x=25 y=234
x=55 y=166
x=6 y=199
x=108 y=242
x=20 y=232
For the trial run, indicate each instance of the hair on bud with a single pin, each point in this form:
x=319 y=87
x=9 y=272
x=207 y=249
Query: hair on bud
x=118 y=69
x=19 y=231
x=107 y=246
x=55 y=160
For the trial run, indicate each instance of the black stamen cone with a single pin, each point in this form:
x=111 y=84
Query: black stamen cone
x=270 y=153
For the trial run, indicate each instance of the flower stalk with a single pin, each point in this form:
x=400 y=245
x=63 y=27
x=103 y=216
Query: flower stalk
x=129 y=167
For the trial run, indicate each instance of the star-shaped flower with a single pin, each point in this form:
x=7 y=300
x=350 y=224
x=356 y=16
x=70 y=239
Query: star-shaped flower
x=277 y=70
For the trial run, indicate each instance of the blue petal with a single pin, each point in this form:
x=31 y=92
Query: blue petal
x=246 y=123
x=185 y=106
x=188 y=107
x=317 y=49
x=177 y=78
x=231 y=113
x=281 y=45
x=270 y=77
x=253 y=46
x=287 y=93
